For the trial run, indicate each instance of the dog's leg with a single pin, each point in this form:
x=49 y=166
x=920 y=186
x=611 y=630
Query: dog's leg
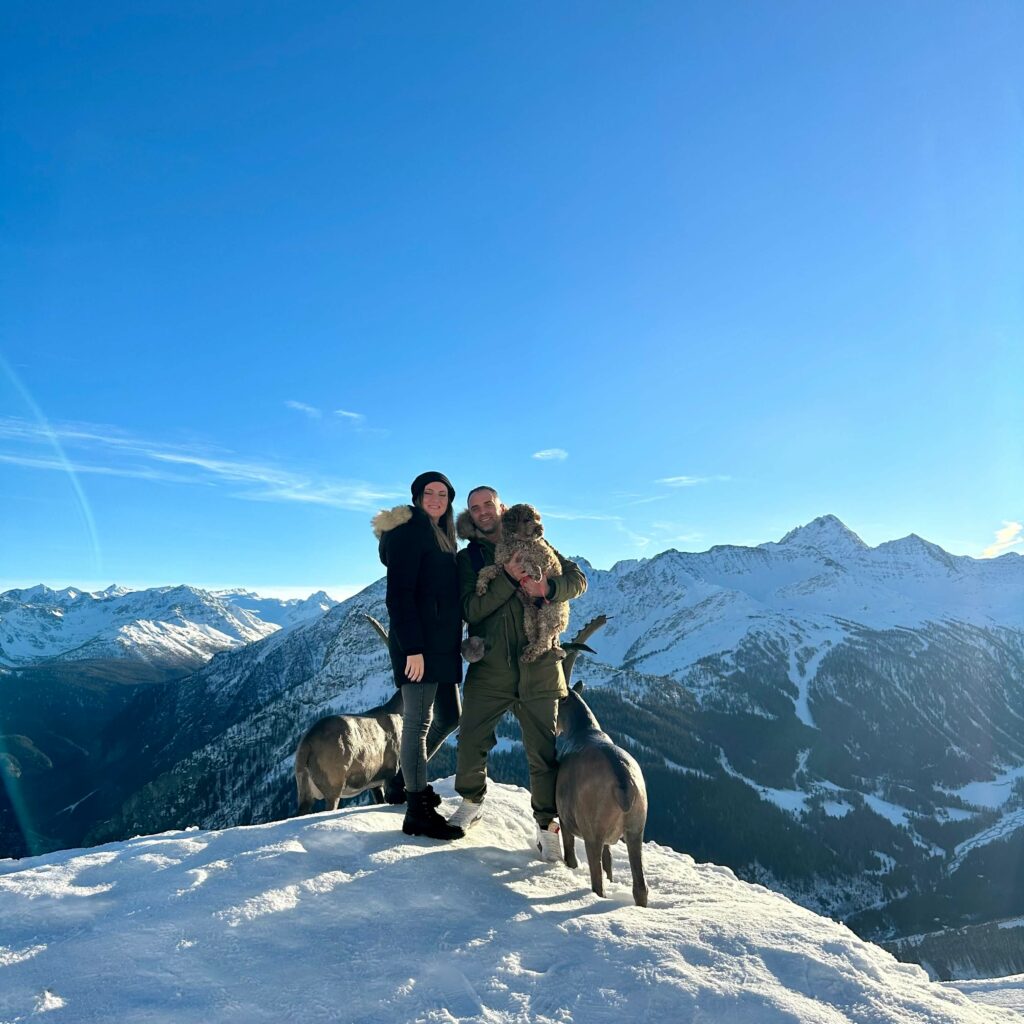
x=484 y=577
x=378 y=794
x=606 y=862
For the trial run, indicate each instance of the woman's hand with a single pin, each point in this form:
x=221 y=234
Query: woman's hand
x=414 y=668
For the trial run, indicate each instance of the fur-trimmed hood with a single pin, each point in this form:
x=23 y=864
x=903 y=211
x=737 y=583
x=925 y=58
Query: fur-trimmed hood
x=388 y=518
x=466 y=529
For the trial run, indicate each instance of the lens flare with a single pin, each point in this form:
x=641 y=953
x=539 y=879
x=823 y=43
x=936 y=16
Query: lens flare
x=24 y=820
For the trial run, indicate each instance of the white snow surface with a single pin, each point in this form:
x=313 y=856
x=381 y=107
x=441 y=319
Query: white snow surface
x=340 y=917
x=1007 y=993
x=994 y=793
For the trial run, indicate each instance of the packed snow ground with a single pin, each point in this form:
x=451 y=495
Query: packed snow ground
x=340 y=917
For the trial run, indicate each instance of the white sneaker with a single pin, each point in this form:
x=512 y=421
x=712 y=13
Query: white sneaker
x=548 y=843
x=466 y=814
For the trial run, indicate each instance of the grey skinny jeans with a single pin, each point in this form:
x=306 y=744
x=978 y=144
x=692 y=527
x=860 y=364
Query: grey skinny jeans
x=430 y=714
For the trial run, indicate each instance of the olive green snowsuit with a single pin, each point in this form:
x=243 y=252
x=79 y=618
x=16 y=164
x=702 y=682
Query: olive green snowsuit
x=500 y=681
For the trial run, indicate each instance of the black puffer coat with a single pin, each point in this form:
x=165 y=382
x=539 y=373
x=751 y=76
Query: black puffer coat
x=422 y=597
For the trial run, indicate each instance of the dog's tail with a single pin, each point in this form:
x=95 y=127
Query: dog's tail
x=306 y=789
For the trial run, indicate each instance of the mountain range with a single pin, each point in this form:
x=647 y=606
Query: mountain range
x=180 y=626
x=839 y=722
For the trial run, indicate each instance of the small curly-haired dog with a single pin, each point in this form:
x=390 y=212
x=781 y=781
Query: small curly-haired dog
x=522 y=534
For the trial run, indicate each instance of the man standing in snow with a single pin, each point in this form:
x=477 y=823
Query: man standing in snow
x=499 y=681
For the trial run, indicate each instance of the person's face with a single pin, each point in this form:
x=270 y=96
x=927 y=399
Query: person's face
x=485 y=510
x=435 y=499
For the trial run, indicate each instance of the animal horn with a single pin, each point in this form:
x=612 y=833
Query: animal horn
x=578 y=643
x=381 y=631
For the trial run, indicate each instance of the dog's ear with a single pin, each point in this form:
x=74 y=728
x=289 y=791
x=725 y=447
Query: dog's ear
x=536 y=525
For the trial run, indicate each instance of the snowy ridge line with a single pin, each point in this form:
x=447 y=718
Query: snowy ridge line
x=473 y=932
x=176 y=624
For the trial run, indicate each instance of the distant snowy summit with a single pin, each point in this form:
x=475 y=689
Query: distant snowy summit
x=178 y=625
x=285 y=614
x=826 y=533
x=686 y=605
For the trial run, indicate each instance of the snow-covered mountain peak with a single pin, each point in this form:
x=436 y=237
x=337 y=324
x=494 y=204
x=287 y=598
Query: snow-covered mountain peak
x=259 y=924
x=915 y=547
x=41 y=593
x=827 y=533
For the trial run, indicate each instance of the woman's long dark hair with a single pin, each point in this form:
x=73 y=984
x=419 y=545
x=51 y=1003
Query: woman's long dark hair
x=444 y=528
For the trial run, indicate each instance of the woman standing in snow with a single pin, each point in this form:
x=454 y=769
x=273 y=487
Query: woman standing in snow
x=417 y=544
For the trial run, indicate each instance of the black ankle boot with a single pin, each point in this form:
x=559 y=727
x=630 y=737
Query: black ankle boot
x=421 y=819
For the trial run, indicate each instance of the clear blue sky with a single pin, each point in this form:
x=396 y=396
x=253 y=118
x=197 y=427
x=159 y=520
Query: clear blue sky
x=262 y=263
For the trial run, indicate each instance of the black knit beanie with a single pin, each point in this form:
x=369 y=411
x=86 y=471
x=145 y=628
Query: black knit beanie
x=419 y=485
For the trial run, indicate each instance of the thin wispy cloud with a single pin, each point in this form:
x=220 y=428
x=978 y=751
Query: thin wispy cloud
x=597 y=517
x=310 y=410
x=253 y=479
x=638 y=541
x=1010 y=536
x=357 y=421
x=690 y=481
x=643 y=501
x=551 y=453
x=674 y=533
x=140 y=473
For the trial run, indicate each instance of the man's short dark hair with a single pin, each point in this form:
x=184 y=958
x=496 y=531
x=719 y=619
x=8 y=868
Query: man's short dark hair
x=482 y=487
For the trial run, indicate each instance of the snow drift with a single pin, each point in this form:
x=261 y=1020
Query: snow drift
x=340 y=917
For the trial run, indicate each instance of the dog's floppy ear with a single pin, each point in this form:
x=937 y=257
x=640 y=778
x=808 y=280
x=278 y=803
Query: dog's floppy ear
x=578 y=687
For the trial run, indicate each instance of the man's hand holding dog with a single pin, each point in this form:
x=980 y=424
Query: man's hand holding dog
x=535 y=588
x=514 y=567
